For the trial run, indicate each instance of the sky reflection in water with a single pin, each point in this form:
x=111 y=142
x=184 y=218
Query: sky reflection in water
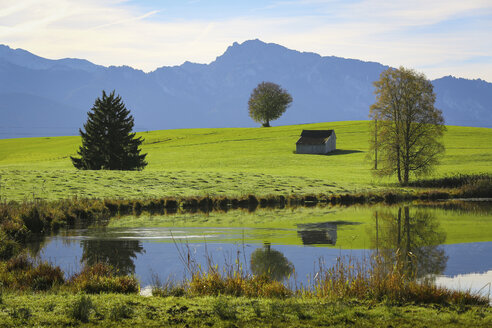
x=150 y=252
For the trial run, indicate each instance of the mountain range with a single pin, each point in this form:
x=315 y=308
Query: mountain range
x=43 y=97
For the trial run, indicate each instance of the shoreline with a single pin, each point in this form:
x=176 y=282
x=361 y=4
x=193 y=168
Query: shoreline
x=42 y=216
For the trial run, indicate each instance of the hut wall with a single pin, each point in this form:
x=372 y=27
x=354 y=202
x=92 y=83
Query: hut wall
x=331 y=144
x=310 y=149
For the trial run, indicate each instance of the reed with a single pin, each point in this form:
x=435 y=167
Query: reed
x=379 y=281
x=375 y=279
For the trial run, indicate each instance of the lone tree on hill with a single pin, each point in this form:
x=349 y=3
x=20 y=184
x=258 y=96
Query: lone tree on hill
x=408 y=128
x=108 y=142
x=267 y=102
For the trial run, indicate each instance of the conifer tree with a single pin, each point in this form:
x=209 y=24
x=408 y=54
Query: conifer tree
x=108 y=142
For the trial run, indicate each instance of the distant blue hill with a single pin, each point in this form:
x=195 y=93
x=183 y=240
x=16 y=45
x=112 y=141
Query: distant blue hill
x=43 y=97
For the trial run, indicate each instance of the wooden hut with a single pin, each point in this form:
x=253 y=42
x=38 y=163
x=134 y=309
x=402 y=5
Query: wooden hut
x=316 y=142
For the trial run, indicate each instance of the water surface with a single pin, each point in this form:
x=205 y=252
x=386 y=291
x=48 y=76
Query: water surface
x=450 y=243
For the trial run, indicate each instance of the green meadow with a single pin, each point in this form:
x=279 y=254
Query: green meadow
x=237 y=162
x=116 y=310
x=227 y=161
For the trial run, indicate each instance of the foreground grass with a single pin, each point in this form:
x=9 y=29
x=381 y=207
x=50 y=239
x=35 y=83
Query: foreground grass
x=232 y=162
x=116 y=310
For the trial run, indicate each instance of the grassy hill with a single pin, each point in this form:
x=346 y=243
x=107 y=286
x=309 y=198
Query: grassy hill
x=232 y=161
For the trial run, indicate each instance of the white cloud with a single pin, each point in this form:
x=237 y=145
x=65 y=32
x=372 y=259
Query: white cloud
x=128 y=20
x=111 y=32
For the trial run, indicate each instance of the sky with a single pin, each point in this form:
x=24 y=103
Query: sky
x=438 y=38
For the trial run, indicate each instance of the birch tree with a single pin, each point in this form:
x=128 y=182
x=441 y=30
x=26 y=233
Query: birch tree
x=409 y=130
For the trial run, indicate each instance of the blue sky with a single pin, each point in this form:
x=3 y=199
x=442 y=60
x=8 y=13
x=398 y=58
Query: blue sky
x=437 y=37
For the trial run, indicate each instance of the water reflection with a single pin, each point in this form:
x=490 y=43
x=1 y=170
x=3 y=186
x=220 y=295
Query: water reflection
x=414 y=235
x=323 y=233
x=36 y=245
x=411 y=238
x=270 y=262
x=119 y=253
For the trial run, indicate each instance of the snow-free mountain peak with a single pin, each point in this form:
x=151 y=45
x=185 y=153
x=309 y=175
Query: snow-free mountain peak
x=26 y=59
x=44 y=97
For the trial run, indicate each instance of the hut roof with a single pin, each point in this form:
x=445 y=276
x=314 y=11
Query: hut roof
x=314 y=137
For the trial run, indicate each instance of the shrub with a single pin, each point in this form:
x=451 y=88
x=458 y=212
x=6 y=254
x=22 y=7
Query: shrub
x=171 y=203
x=236 y=284
x=32 y=220
x=170 y=288
x=112 y=206
x=8 y=248
x=453 y=181
x=266 y=287
x=14 y=230
x=21 y=273
x=479 y=188
x=81 y=309
x=205 y=204
x=19 y=263
x=45 y=276
x=102 y=278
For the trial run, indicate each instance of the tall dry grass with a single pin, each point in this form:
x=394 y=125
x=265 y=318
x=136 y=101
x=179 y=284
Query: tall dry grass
x=373 y=280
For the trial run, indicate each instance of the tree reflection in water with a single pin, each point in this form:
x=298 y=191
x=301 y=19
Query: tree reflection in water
x=36 y=244
x=120 y=254
x=412 y=239
x=270 y=262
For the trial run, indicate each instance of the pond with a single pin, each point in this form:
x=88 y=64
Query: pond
x=449 y=243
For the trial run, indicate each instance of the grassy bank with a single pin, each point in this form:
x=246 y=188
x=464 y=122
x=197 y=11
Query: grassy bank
x=461 y=221
x=344 y=295
x=116 y=310
x=218 y=162
x=42 y=216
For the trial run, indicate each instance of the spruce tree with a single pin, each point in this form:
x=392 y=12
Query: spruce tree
x=108 y=142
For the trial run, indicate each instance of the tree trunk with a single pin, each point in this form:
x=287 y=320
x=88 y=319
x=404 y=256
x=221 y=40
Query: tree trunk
x=406 y=163
x=405 y=175
x=266 y=124
x=398 y=166
x=376 y=144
